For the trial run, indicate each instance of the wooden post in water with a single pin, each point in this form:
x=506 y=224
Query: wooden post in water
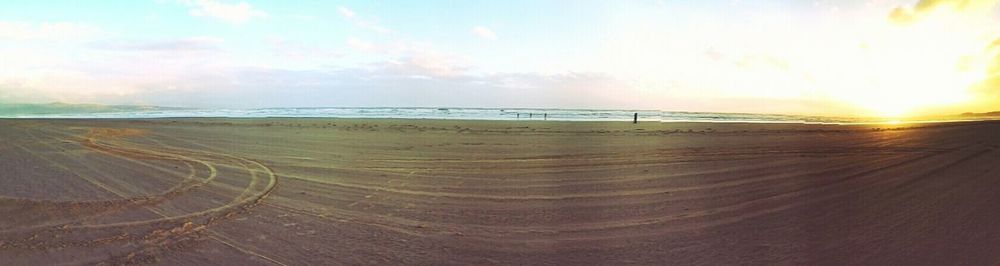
x=635 y=118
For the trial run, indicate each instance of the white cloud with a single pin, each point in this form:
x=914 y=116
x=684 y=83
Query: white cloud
x=484 y=32
x=192 y=44
x=429 y=65
x=109 y=69
x=235 y=13
x=361 y=45
x=21 y=31
x=379 y=85
x=301 y=51
x=414 y=58
x=346 y=12
x=358 y=21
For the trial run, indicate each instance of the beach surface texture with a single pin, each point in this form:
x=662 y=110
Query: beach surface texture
x=457 y=192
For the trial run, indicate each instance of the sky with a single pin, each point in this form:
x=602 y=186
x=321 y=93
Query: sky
x=844 y=58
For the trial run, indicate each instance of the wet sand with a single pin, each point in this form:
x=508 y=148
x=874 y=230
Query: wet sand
x=355 y=191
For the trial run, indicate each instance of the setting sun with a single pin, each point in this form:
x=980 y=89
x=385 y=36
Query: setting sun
x=911 y=63
x=882 y=59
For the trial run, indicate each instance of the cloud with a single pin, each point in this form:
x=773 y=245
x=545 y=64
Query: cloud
x=484 y=32
x=21 y=31
x=994 y=45
x=392 y=47
x=301 y=51
x=358 y=21
x=385 y=86
x=193 y=44
x=970 y=23
x=427 y=65
x=112 y=69
x=901 y=15
x=989 y=88
x=414 y=58
x=346 y=12
x=418 y=76
x=235 y=13
x=922 y=8
x=361 y=45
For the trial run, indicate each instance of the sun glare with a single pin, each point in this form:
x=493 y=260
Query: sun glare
x=879 y=65
x=907 y=66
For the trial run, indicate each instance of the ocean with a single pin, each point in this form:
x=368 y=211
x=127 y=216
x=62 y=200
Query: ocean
x=525 y=114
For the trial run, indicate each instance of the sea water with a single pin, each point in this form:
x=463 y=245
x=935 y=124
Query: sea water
x=468 y=114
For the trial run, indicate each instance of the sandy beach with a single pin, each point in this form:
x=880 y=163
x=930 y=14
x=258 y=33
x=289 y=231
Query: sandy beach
x=448 y=192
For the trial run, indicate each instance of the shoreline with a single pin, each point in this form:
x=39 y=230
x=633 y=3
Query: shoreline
x=501 y=114
x=806 y=123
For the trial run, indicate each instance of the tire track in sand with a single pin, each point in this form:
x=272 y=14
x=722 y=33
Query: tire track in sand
x=157 y=242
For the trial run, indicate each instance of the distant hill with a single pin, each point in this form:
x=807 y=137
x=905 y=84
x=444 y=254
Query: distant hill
x=994 y=113
x=7 y=109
